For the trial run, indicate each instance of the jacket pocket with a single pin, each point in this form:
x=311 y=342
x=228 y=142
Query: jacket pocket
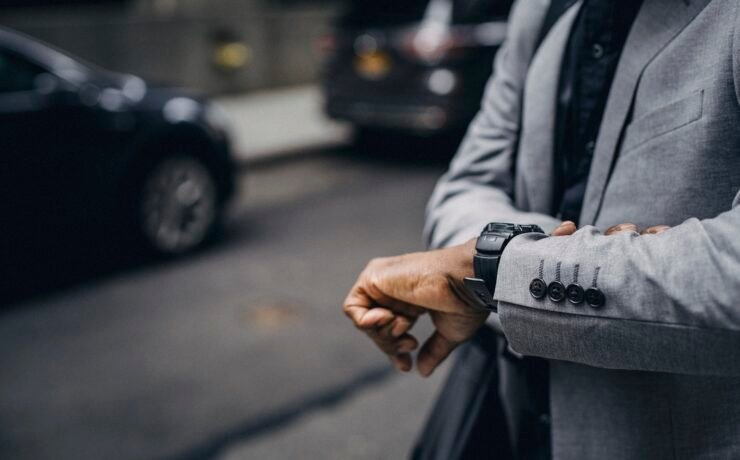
x=664 y=120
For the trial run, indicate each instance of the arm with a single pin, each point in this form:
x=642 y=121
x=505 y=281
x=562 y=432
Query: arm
x=479 y=185
x=672 y=299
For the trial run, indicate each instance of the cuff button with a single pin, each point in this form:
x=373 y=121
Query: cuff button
x=538 y=288
x=575 y=294
x=556 y=291
x=595 y=298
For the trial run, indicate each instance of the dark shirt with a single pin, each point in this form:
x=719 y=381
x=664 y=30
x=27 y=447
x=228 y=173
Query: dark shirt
x=591 y=58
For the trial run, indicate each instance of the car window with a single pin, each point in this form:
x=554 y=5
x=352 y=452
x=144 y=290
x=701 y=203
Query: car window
x=379 y=13
x=17 y=73
x=477 y=11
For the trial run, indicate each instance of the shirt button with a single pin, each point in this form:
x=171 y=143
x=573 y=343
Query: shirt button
x=537 y=288
x=556 y=291
x=597 y=51
x=595 y=298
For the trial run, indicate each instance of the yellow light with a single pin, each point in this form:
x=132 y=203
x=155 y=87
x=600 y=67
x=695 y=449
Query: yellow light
x=232 y=56
x=374 y=65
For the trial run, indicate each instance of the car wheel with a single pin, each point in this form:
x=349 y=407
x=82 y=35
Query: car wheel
x=177 y=206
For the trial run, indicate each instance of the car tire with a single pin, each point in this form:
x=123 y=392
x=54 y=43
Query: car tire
x=176 y=206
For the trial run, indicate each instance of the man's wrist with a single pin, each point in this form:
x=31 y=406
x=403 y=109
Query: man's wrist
x=487 y=253
x=461 y=268
x=467 y=252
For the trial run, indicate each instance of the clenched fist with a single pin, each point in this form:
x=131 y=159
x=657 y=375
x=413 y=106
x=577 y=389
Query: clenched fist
x=391 y=293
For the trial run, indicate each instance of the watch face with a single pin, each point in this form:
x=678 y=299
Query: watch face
x=500 y=227
x=509 y=229
x=531 y=229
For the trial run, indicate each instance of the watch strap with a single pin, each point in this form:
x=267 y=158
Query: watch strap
x=481 y=294
x=486 y=268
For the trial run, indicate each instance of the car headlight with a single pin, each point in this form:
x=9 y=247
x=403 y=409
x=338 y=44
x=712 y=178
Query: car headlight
x=181 y=109
x=442 y=82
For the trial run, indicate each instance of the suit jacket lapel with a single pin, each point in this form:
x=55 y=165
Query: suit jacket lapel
x=657 y=23
x=538 y=117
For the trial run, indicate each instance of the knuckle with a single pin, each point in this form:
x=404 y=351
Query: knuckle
x=374 y=263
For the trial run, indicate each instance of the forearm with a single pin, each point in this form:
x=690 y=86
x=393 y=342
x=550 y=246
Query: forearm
x=671 y=299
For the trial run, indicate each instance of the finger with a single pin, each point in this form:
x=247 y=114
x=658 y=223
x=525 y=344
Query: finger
x=401 y=325
x=397 y=306
x=396 y=328
x=367 y=318
x=375 y=318
x=404 y=344
x=622 y=228
x=386 y=332
x=654 y=230
x=355 y=313
x=401 y=362
x=356 y=304
x=564 y=229
x=434 y=351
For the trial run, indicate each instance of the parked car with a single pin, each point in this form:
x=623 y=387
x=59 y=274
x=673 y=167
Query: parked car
x=417 y=66
x=85 y=151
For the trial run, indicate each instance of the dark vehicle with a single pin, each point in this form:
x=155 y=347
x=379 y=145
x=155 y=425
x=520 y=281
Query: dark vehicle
x=416 y=66
x=85 y=152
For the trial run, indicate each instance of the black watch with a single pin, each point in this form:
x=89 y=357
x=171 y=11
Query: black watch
x=488 y=249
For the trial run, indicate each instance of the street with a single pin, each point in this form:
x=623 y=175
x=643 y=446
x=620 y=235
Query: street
x=240 y=351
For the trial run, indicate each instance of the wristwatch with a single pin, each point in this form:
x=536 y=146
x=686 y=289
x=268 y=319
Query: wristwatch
x=488 y=249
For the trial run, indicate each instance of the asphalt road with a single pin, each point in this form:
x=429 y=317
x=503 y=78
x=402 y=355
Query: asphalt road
x=240 y=351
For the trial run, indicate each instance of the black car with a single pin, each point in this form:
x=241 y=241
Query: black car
x=86 y=152
x=416 y=66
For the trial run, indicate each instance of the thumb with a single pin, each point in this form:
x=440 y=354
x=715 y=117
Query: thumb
x=564 y=229
x=434 y=351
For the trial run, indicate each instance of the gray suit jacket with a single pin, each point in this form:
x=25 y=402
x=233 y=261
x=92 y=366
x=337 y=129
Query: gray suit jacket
x=655 y=373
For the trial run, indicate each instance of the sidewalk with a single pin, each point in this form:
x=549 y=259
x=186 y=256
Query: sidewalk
x=275 y=123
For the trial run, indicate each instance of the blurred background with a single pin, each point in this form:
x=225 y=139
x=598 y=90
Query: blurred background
x=190 y=188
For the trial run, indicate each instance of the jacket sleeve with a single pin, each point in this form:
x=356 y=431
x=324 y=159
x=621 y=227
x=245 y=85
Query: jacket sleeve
x=672 y=300
x=479 y=185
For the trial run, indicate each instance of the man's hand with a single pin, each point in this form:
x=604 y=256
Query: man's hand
x=391 y=293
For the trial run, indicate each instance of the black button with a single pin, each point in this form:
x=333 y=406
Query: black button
x=595 y=298
x=575 y=294
x=556 y=291
x=597 y=51
x=537 y=288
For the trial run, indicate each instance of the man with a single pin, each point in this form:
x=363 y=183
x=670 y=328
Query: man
x=641 y=332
